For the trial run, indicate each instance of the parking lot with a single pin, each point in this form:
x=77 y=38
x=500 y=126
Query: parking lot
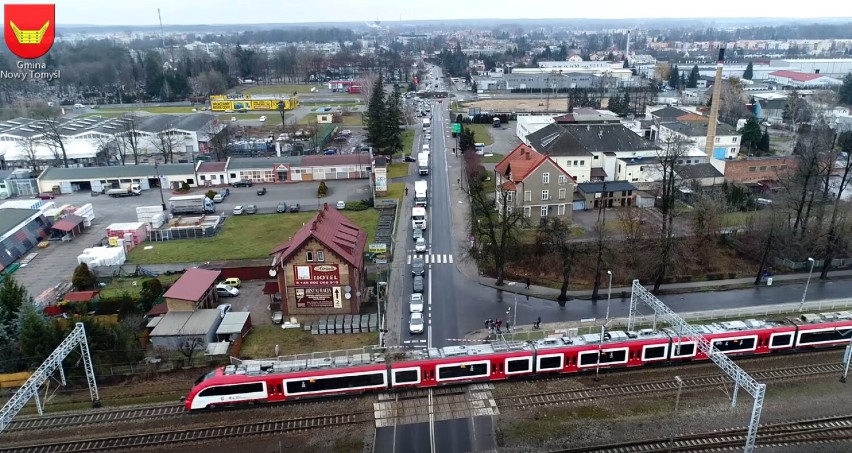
x=56 y=263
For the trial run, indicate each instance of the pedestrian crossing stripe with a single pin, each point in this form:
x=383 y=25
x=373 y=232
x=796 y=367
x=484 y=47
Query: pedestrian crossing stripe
x=413 y=341
x=434 y=258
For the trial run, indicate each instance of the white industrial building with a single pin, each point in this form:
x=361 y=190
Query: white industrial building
x=528 y=124
x=97 y=179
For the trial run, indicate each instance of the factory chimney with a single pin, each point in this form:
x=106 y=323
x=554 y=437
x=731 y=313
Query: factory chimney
x=627 y=48
x=714 y=106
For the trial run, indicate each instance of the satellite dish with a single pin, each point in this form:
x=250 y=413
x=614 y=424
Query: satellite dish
x=273 y=272
x=348 y=295
x=358 y=293
x=348 y=288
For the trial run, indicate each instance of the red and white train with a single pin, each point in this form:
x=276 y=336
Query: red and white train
x=271 y=381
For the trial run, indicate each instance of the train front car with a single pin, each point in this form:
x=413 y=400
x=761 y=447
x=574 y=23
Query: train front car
x=200 y=384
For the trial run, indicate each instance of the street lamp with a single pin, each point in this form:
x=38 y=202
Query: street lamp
x=677 y=403
x=381 y=319
x=608 y=295
x=160 y=184
x=808 y=282
x=515 y=320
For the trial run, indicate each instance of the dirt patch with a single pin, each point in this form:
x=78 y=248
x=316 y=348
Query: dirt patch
x=517 y=105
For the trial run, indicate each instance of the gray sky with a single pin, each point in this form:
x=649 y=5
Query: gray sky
x=144 y=12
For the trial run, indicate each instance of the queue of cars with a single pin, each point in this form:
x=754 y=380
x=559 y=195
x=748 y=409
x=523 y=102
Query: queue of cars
x=417 y=302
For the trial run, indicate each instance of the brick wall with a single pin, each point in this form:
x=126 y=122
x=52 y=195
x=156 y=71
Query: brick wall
x=759 y=169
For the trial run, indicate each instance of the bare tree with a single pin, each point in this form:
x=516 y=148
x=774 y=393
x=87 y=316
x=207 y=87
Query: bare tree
x=832 y=242
x=601 y=243
x=189 y=346
x=556 y=234
x=773 y=230
x=732 y=101
x=52 y=136
x=29 y=148
x=668 y=159
x=167 y=144
x=130 y=136
x=495 y=224
x=814 y=165
x=368 y=82
x=219 y=136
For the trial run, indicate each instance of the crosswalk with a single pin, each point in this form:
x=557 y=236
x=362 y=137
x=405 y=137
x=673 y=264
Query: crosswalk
x=433 y=258
x=414 y=341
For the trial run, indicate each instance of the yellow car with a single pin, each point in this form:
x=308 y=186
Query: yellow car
x=233 y=281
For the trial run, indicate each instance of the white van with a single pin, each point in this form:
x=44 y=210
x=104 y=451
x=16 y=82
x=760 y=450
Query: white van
x=79 y=106
x=480 y=148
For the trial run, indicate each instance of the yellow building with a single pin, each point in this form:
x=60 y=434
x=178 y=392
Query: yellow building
x=221 y=103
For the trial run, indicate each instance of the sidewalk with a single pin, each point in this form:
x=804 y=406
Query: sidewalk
x=543 y=292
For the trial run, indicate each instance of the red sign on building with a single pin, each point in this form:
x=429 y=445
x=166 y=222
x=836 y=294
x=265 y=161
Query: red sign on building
x=316 y=275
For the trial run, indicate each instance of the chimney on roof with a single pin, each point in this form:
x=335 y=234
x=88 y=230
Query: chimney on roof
x=528 y=155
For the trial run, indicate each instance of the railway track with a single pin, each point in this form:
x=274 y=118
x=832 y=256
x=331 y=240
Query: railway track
x=163 y=438
x=689 y=383
x=801 y=432
x=91 y=417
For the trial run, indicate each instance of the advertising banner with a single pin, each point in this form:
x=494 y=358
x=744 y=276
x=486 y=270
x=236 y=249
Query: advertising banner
x=324 y=297
x=316 y=275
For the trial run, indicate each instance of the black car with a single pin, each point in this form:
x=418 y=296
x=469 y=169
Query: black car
x=261 y=191
x=295 y=207
x=242 y=183
x=282 y=207
x=409 y=159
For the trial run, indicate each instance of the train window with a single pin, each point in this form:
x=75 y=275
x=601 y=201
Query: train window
x=403 y=376
x=222 y=390
x=741 y=344
x=463 y=371
x=782 y=340
x=205 y=377
x=614 y=356
x=683 y=349
x=588 y=358
x=323 y=384
x=518 y=365
x=550 y=363
x=655 y=352
x=819 y=337
x=280 y=388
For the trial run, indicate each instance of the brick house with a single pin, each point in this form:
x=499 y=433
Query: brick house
x=760 y=172
x=195 y=289
x=534 y=183
x=320 y=270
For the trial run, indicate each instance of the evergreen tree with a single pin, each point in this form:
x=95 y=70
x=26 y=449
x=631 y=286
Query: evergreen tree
x=36 y=336
x=625 y=103
x=467 y=139
x=764 y=142
x=375 y=116
x=674 y=77
x=151 y=290
x=692 y=81
x=751 y=134
x=12 y=298
x=83 y=279
x=845 y=93
x=392 y=120
x=749 y=71
x=682 y=82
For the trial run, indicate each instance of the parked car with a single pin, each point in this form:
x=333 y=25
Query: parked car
x=233 y=281
x=295 y=207
x=238 y=210
x=282 y=207
x=261 y=191
x=415 y=325
x=218 y=198
x=225 y=192
x=262 y=118
x=409 y=159
x=418 y=266
x=224 y=309
x=46 y=196
x=420 y=245
x=251 y=209
x=242 y=183
x=227 y=291
x=415 y=304
x=418 y=284
x=341 y=205
x=277 y=317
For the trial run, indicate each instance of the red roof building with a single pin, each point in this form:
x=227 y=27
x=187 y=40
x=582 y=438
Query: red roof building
x=320 y=269
x=532 y=181
x=195 y=289
x=802 y=79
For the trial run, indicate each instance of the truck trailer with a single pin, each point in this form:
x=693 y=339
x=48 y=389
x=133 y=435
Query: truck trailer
x=421 y=194
x=423 y=164
x=191 y=204
x=418 y=218
x=132 y=190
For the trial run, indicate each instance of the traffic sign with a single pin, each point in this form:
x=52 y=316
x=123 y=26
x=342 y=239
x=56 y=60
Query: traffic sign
x=457 y=128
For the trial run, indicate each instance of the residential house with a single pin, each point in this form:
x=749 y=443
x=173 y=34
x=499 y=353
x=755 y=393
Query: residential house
x=771 y=110
x=212 y=173
x=589 y=151
x=610 y=194
x=320 y=270
x=699 y=175
x=727 y=144
x=535 y=183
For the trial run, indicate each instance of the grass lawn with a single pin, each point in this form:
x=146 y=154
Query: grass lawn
x=395 y=190
x=740 y=218
x=260 y=342
x=481 y=133
x=398 y=170
x=132 y=286
x=278 y=89
x=407 y=142
x=242 y=237
x=495 y=158
x=353 y=119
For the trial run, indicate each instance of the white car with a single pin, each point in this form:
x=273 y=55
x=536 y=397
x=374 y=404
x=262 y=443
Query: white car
x=218 y=198
x=341 y=205
x=415 y=305
x=416 y=324
x=420 y=245
x=238 y=210
x=262 y=118
x=227 y=291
